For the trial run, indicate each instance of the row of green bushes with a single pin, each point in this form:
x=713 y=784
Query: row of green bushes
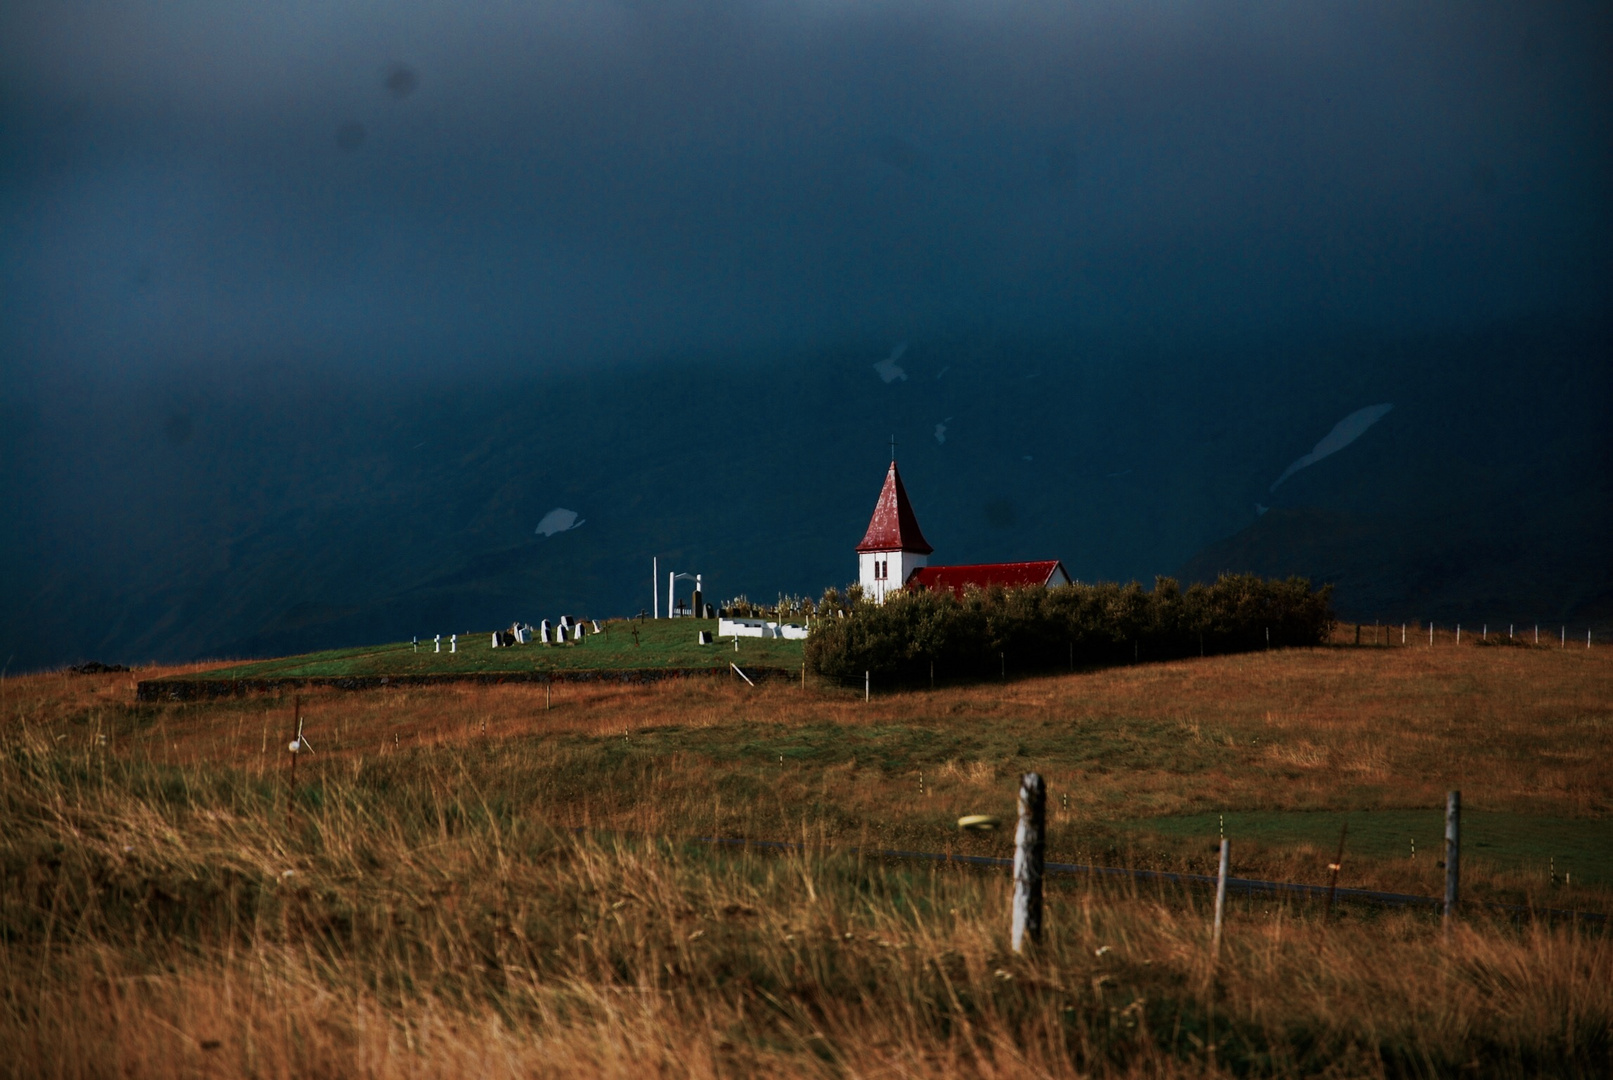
x=1040 y=629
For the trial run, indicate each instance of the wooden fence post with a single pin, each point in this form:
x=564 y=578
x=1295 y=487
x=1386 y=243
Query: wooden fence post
x=1220 y=895
x=868 y=684
x=1030 y=846
x=1453 y=854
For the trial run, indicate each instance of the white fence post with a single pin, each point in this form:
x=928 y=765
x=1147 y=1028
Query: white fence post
x=1220 y=895
x=1030 y=847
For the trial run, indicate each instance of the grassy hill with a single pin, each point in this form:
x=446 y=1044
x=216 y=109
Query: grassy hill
x=474 y=878
x=623 y=644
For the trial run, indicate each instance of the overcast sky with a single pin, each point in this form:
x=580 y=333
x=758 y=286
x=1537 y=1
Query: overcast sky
x=429 y=185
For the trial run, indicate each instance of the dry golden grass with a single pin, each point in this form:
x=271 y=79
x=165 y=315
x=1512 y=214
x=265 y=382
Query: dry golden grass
x=1522 y=729
x=439 y=918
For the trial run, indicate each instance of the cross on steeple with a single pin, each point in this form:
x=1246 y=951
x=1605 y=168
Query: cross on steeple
x=893 y=447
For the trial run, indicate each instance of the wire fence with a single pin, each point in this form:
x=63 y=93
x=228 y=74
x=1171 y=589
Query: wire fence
x=1427 y=633
x=1247 y=887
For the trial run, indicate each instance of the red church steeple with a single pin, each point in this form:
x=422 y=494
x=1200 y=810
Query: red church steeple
x=893 y=526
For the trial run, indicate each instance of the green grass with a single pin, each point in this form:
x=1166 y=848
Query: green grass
x=738 y=762
x=660 y=643
x=1502 y=841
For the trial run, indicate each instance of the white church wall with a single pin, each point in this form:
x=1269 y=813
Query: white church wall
x=899 y=566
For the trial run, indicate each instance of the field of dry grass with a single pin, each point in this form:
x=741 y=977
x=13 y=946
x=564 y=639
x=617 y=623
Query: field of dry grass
x=418 y=902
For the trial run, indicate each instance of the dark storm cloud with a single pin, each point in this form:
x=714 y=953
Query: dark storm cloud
x=557 y=182
x=401 y=80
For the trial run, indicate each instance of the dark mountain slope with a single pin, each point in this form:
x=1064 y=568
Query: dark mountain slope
x=198 y=515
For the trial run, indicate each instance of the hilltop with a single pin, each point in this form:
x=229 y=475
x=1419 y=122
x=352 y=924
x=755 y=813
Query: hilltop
x=628 y=648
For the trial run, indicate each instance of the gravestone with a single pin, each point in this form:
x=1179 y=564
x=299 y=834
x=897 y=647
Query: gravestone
x=545 y=636
x=596 y=626
x=576 y=633
x=705 y=637
x=436 y=643
x=453 y=642
x=495 y=639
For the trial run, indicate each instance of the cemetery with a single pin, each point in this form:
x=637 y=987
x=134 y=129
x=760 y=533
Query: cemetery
x=631 y=650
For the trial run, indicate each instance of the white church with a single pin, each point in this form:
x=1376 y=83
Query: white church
x=894 y=555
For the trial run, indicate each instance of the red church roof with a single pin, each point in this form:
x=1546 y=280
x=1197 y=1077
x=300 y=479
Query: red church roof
x=893 y=526
x=1010 y=575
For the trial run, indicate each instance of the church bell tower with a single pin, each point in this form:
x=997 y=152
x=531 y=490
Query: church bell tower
x=893 y=547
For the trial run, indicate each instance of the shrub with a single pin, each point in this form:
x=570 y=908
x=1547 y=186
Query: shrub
x=1041 y=629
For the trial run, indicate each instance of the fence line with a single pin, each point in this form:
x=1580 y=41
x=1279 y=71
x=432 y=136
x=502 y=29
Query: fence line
x=1239 y=886
x=1382 y=633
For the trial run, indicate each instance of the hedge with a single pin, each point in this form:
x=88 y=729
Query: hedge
x=1043 y=629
